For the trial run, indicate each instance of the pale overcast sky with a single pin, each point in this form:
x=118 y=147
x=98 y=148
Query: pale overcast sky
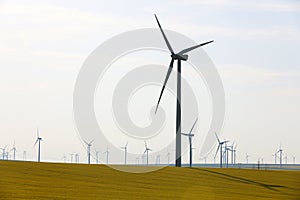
x=256 y=51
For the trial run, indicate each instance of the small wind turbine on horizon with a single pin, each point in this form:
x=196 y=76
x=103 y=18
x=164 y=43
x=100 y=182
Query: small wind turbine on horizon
x=180 y=56
x=24 y=155
x=168 y=156
x=125 y=151
x=38 y=140
x=220 y=147
x=89 y=150
x=76 y=157
x=106 y=152
x=247 y=158
x=146 y=151
x=71 y=154
x=275 y=157
x=3 y=152
x=190 y=136
x=280 y=155
x=97 y=156
x=14 y=149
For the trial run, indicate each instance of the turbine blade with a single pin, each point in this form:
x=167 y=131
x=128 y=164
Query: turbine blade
x=166 y=80
x=91 y=141
x=217 y=137
x=185 y=134
x=193 y=47
x=145 y=144
x=35 y=142
x=126 y=144
x=165 y=37
x=217 y=151
x=193 y=126
x=145 y=151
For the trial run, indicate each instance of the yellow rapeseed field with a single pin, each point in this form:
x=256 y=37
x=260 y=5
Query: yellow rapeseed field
x=30 y=180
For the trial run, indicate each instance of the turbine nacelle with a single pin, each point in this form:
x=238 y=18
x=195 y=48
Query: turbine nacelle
x=179 y=57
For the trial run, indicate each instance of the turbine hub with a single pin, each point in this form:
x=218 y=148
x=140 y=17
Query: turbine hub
x=179 y=57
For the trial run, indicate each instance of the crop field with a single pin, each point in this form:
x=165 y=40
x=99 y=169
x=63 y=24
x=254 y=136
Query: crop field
x=30 y=180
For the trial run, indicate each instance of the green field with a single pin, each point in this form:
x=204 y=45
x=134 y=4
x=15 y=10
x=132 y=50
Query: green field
x=29 y=180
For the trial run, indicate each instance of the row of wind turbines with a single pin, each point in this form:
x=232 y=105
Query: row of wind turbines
x=223 y=149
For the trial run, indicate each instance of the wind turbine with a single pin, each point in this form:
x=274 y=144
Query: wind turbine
x=247 y=158
x=3 y=152
x=190 y=135
x=275 y=157
x=89 y=150
x=97 y=156
x=294 y=159
x=180 y=56
x=125 y=150
x=158 y=159
x=106 y=152
x=234 y=153
x=77 y=158
x=168 y=155
x=24 y=155
x=38 y=139
x=146 y=151
x=285 y=158
x=71 y=154
x=220 y=147
x=14 y=150
x=280 y=155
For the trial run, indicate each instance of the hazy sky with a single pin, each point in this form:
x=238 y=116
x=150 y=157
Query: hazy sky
x=44 y=43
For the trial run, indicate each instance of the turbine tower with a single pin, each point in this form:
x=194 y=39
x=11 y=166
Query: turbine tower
x=220 y=147
x=89 y=150
x=146 y=151
x=38 y=139
x=190 y=135
x=125 y=150
x=180 y=56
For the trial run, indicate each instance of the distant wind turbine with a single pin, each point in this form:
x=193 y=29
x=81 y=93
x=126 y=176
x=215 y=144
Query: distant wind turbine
x=3 y=152
x=190 y=136
x=89 y=150
x=106 y=152
x=97 y=156
x=14 y=149
x=168 y=155
x=125 y=151
x=247 y=158
x=294 y=159
x=24 y=155
x=71 y=154
x=38 y=140
x=220 y=147
x=280 y=155
x=180 y=56
x=146 y=151
x=77 y=158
